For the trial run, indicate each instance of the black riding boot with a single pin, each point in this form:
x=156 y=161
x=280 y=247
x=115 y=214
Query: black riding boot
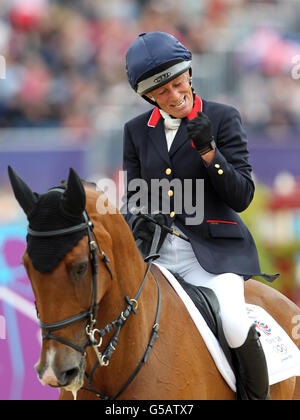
x=251 y=369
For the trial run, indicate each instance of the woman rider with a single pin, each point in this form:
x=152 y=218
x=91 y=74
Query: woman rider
x=185 y=138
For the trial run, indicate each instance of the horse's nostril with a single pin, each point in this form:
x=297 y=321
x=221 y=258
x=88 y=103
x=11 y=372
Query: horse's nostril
x=67 y=377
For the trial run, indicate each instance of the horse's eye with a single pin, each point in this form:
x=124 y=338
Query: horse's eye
x=80 y=269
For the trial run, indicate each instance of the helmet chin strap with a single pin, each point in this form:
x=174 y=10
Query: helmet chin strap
x=151 y=101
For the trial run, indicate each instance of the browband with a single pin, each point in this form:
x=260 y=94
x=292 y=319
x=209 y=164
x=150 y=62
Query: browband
x=66 y=231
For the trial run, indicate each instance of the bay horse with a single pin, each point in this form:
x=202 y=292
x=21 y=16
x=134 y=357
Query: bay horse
x=112 y=329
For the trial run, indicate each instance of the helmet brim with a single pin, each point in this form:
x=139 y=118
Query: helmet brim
x=159 y=79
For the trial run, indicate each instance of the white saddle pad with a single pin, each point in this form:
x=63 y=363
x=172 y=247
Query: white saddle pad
x=283 y=356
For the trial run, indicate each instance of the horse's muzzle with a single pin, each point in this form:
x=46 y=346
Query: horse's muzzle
x=64 y=374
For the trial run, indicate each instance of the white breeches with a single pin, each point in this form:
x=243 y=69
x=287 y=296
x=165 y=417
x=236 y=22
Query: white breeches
x=178 y=256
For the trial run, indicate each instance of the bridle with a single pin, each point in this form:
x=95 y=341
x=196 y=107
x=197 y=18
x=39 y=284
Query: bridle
x=91 y=314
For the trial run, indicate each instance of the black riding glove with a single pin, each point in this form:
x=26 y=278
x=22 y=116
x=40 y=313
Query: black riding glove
x=144 y=229
x=200 y=132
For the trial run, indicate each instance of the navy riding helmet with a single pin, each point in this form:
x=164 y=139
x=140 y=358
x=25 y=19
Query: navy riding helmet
x=154 y=59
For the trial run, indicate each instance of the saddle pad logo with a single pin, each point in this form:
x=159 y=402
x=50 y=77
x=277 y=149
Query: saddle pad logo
x=263 y=327
x=280 y=348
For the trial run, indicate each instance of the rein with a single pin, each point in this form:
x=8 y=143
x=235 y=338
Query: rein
x=91 y=314
x=119 y=322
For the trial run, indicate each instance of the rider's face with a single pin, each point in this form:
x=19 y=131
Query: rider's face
x=175 y=97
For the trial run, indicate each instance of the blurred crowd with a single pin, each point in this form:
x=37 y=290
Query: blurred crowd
x=65 y=59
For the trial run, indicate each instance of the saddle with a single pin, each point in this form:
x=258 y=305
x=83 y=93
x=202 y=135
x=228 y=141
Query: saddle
x=207 y=304
x=204 y=298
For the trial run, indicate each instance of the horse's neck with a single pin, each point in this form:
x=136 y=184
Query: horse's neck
x=129 y=270
x=117 y=242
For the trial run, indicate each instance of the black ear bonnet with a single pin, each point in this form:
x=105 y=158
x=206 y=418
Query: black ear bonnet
x=57 y=209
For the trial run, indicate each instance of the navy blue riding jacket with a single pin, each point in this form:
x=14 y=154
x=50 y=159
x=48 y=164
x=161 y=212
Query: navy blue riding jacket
x=221 y=242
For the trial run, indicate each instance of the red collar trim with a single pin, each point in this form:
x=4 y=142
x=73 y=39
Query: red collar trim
x=156 y=115
x=197 y=107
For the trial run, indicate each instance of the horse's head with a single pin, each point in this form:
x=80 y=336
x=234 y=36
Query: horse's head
x=61 y=262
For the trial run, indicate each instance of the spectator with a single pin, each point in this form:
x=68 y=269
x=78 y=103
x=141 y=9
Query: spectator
x=65 y=60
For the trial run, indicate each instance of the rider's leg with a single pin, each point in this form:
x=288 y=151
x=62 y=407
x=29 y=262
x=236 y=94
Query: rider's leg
x=239 y=331
x=241 y=335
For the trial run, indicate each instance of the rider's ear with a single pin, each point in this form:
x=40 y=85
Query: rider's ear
x=26 y=198
x=74 y=197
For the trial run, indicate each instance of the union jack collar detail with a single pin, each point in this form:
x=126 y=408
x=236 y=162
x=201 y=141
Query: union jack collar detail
x=156 y=115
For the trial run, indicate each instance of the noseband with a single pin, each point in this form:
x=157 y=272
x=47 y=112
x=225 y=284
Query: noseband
x=91 y=314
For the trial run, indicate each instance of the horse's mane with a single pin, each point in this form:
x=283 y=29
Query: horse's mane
x=114 y=235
